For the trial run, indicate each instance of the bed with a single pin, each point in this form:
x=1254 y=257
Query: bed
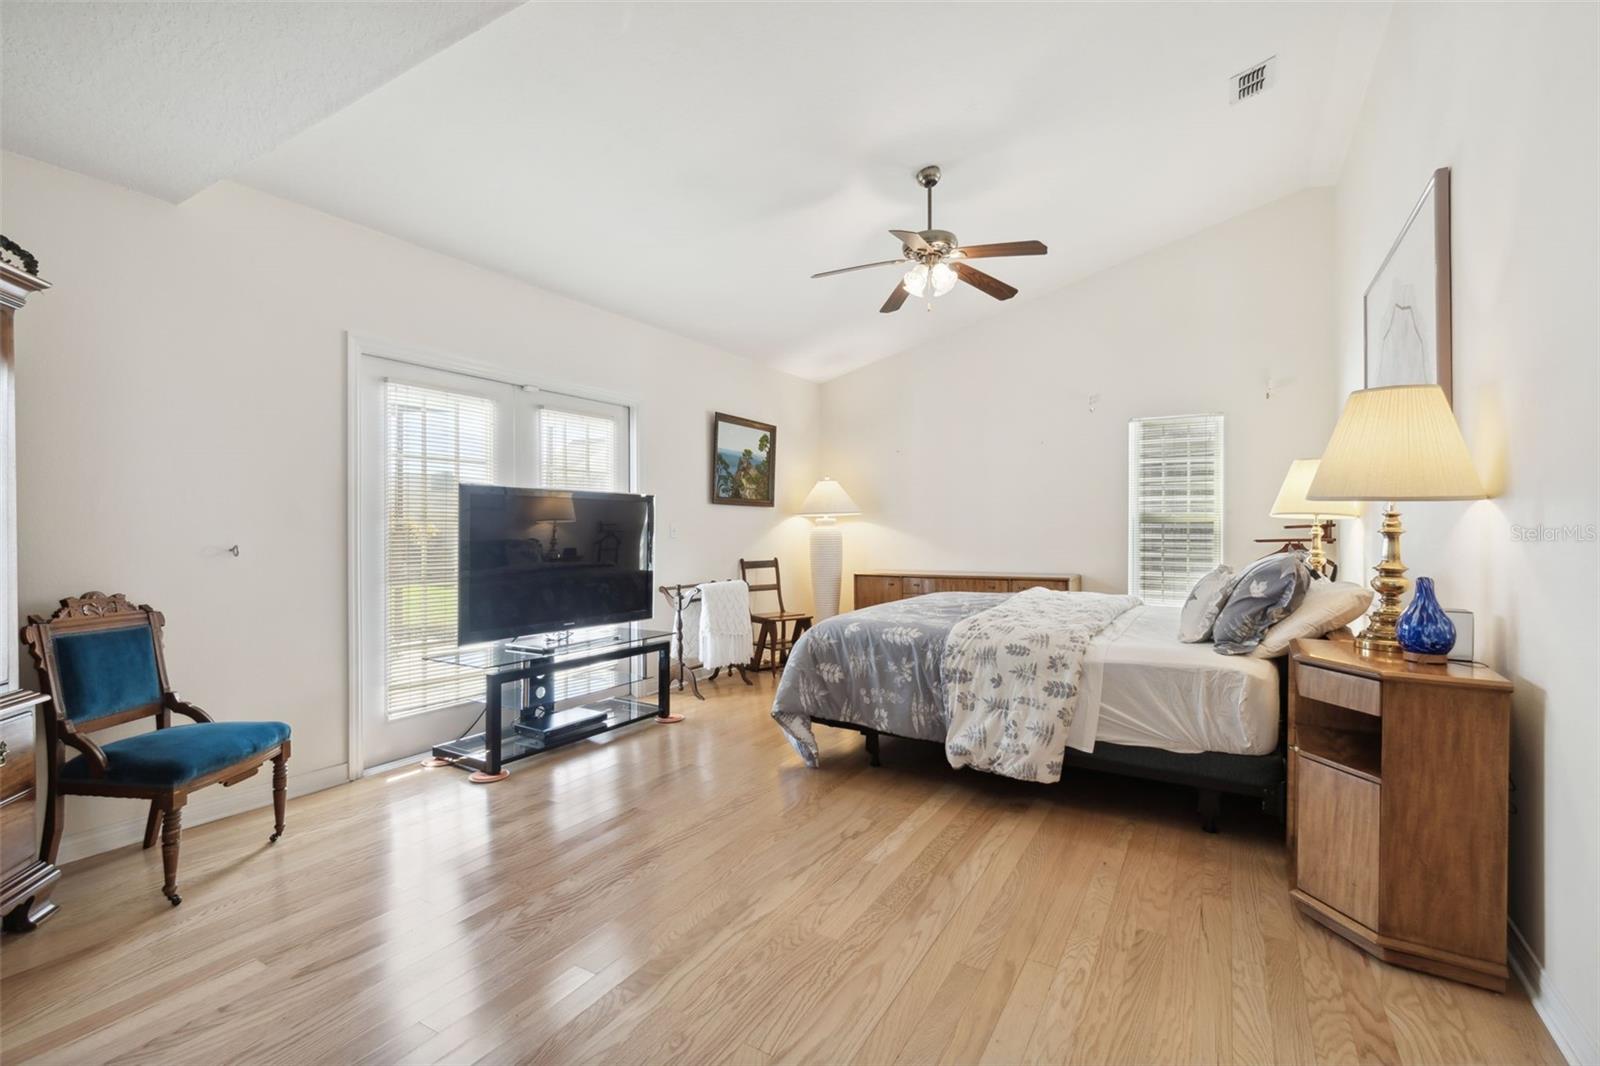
x=1147 y=705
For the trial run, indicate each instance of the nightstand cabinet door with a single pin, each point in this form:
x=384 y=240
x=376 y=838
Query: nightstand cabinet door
x=1336 y=857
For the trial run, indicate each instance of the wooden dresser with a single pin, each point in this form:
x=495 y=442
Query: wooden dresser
x=1399 y=805
x=25 y=878
x=884 y=586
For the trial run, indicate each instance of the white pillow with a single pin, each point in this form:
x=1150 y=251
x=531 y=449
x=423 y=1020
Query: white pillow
x=1205 y=601
x=1327 y=606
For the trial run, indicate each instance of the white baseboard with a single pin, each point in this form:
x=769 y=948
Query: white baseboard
x=1567 y=1026
x=206 y=806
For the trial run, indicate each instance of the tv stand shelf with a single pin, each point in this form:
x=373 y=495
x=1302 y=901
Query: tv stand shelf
x=539 y=727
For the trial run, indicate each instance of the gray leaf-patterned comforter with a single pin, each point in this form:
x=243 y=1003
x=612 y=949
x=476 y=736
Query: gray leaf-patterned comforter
x=877 y=667
x=993 y=677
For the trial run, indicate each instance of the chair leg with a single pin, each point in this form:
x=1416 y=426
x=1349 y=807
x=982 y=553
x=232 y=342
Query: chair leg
x=280 y=794
x=152 y=825
x=765 y=634
x=54 y=820
x=171 y=827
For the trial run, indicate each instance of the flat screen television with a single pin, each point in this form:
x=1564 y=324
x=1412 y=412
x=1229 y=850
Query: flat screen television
x=535 y=561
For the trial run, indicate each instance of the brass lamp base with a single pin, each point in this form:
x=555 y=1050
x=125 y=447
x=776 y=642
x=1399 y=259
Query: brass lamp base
x=1390 y=585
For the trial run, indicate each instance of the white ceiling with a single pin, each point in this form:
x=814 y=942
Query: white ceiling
x=690 y=165
x=169 y=97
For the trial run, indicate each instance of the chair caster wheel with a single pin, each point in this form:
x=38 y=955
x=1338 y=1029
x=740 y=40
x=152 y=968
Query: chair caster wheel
x=174 y=899
x=273 y=839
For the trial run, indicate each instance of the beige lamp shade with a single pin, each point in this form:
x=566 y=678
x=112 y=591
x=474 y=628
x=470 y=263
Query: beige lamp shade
x=828 y=499
x=536 y=510
x=1400 y=442
x=1292 y=501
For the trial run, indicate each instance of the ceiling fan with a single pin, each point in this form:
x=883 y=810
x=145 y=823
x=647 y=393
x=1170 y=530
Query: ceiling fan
x=938 y=260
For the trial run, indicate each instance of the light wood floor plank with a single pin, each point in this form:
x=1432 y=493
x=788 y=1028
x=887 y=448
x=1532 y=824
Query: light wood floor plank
x=692 y=894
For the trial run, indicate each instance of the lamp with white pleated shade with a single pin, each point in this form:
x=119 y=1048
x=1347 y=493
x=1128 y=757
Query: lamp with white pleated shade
x=827 y=499
x=1292 y=503
x=826 y=502
x=1395 y=443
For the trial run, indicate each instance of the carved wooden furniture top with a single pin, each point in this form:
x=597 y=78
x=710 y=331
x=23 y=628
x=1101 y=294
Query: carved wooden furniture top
x=16 y=284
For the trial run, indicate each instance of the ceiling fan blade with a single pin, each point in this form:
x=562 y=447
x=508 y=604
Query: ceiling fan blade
x=911 y=239
x=997 y=251
x=862 y=266
x=896 y=298
x=983 y=282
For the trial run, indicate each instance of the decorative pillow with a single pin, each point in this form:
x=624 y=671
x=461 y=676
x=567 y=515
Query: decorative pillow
x=1205 y=600
x=1263 y=594
x=1328 y=605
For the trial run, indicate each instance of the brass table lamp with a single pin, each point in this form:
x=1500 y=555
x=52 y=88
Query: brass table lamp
x=1292 y=503
x=1400 y=442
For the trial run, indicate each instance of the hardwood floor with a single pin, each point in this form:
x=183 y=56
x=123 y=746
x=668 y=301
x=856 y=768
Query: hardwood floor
x=691 y=893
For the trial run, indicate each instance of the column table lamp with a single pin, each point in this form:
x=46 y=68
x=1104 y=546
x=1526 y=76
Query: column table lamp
x=826 y=503
x=1400 y=442
x=1292 y=503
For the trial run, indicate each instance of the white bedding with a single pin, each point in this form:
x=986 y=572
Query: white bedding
x=1143 y=688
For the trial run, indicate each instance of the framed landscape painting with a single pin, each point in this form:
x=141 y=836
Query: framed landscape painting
x=743 y=461
x=1406 y=309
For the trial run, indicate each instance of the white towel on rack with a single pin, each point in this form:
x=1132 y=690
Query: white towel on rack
x=724 y=624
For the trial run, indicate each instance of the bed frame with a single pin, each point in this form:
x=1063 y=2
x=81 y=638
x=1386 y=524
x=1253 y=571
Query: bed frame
x=1210 y=774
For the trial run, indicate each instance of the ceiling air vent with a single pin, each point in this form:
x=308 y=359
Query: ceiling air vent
x=1251 y=83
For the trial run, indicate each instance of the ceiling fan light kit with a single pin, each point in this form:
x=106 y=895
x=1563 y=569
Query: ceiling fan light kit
x=938 y=259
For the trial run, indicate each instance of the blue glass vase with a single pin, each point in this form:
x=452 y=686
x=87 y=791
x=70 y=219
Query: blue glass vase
x=1424 y=629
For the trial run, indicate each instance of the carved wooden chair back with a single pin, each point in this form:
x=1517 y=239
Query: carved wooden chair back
x=775 y=586
x=101 y=663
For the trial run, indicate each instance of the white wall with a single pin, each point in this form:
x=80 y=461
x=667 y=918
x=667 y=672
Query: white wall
x=1506 y=97
x=980 y=451
x=182 y=388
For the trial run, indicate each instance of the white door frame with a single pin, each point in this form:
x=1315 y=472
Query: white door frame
x=358 y=347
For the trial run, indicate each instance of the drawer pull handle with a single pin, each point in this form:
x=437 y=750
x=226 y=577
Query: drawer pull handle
x=4 y=747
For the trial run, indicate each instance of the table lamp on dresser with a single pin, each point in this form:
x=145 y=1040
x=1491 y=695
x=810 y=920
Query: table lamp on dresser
x=826 y=503
x=1399 y=442
x=1292 y=503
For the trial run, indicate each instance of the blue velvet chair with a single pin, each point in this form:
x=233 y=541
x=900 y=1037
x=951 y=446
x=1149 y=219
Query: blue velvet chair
x=100 y=661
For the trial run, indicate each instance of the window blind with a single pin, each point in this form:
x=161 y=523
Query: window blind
x=1174 y=504
x=581 y=451
x=585 y=451
x=434 y=440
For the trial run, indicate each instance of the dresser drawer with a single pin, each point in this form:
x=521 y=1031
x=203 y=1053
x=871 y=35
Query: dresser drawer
x=1059 y=585
x=915 y=586
x=1336 y=838
x=16 y=765
x=1341 y=690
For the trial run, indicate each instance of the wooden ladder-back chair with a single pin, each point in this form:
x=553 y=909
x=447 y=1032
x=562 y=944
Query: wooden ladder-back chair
x=777 y=630
x=100 y=660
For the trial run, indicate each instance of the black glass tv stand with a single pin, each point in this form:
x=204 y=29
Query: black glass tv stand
x=531 y=674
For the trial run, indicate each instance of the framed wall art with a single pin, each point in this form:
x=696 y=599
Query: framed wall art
x=1406 y=309
x=744 y=455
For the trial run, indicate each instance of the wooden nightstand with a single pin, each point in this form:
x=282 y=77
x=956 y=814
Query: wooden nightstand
x=1398 y=804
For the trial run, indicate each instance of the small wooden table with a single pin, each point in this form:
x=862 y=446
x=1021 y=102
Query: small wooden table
x=1399 y=796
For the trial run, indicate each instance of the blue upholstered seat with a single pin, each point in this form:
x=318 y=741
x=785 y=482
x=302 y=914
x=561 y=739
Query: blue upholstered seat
x=169 y=757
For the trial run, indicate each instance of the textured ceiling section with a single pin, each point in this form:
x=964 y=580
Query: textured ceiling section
x=167 y=98
x=690 y=165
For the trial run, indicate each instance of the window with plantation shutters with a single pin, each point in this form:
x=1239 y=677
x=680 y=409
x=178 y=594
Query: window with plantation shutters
x=434 y=440
x=1174 y=504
